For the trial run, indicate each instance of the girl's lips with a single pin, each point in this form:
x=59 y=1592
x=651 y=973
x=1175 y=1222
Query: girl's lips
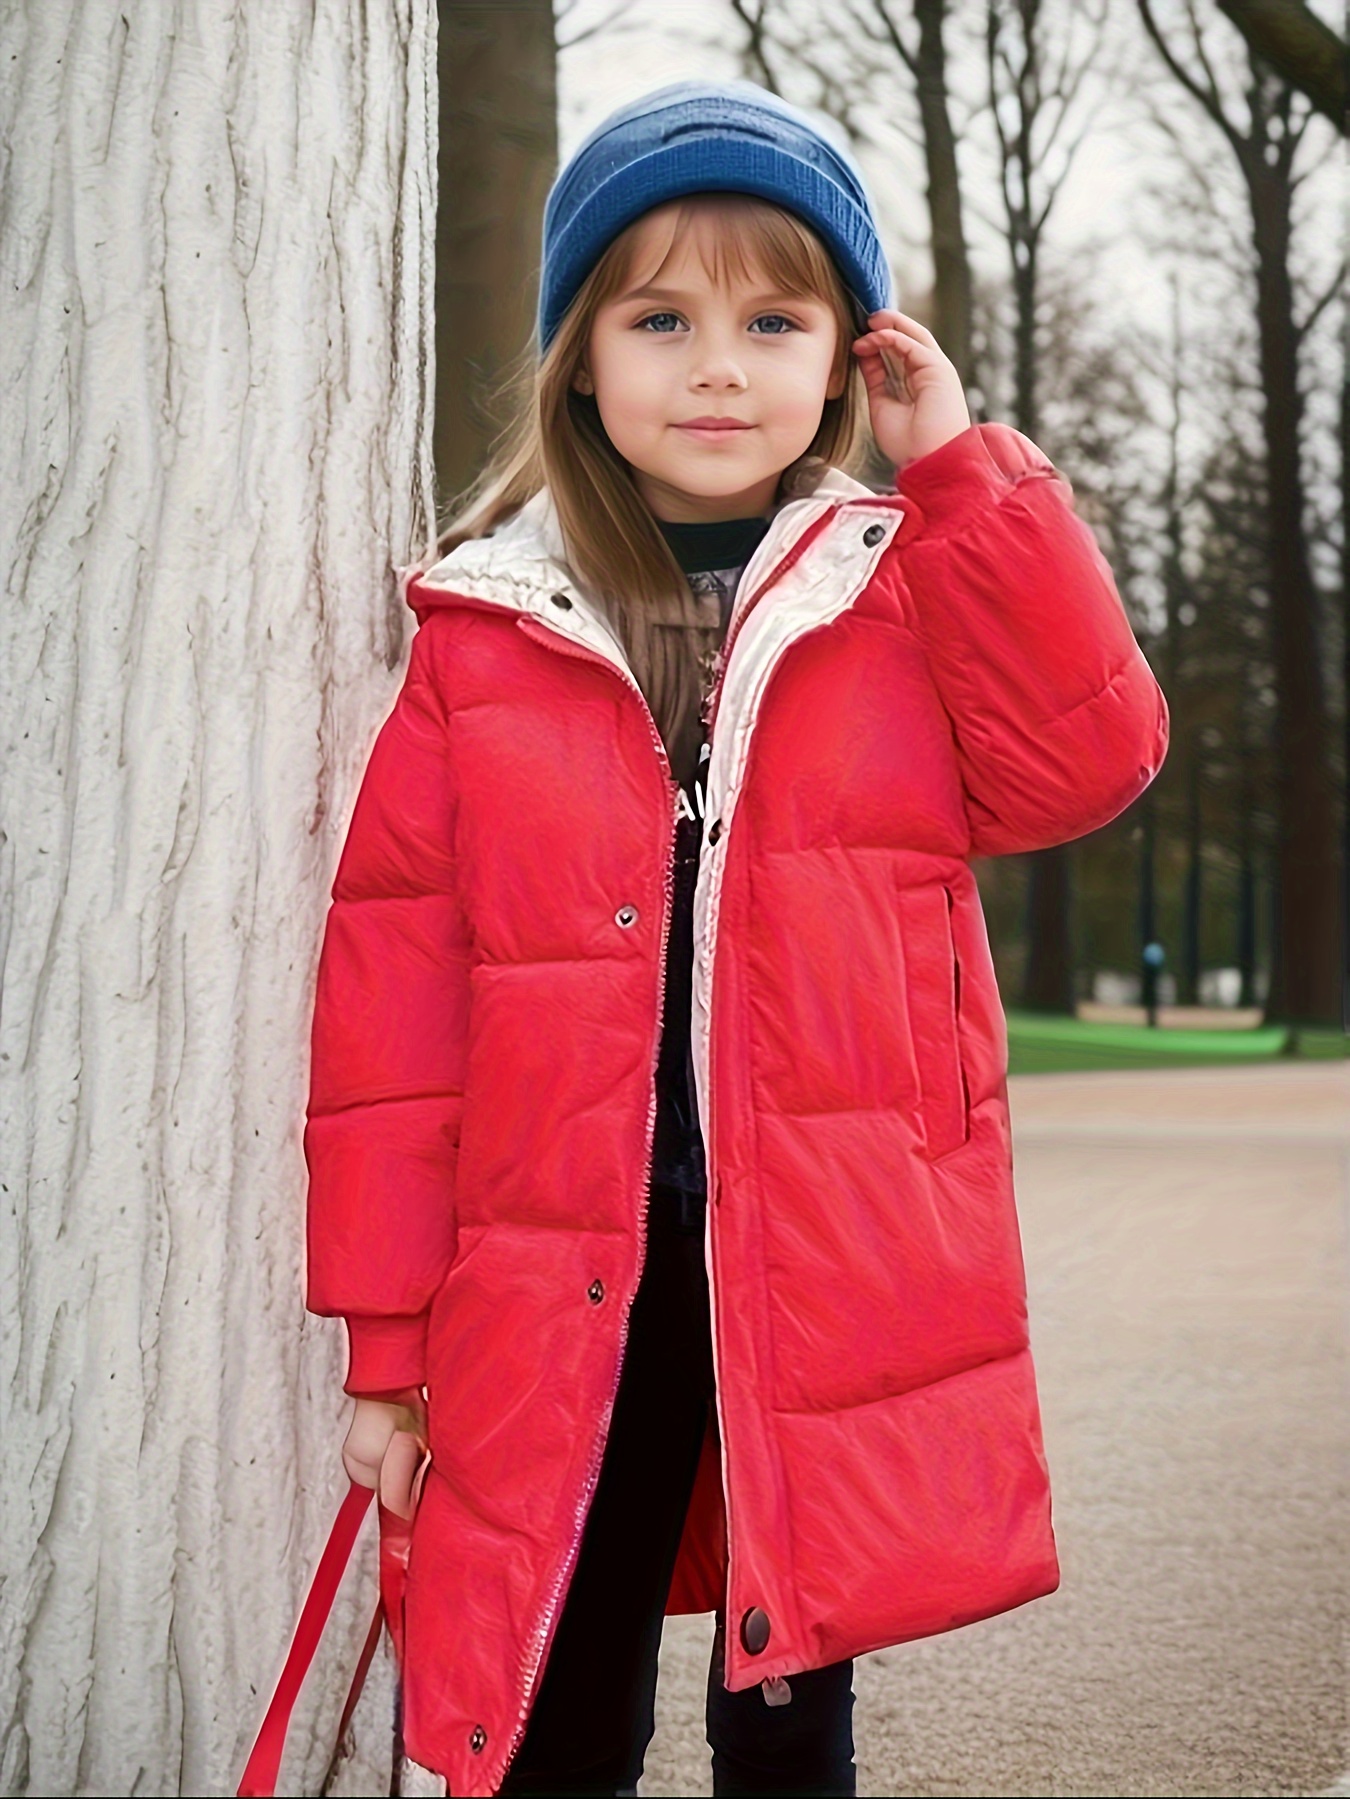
x=712 y=427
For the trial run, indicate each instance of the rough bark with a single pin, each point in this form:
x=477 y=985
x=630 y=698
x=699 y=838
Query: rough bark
x=215 y=234
x=499 y=149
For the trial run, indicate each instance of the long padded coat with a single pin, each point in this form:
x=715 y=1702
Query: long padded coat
x=910 y=679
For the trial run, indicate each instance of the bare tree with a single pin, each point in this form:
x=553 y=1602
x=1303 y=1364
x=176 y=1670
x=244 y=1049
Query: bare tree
x=1306 y=975
x=923 y=53
x=1036 y=61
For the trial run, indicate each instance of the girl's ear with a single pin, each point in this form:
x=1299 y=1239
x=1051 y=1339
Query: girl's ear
x=838 y=381
x=581 y=381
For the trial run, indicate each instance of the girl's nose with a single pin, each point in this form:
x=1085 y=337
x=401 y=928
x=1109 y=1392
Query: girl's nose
x=718 y=369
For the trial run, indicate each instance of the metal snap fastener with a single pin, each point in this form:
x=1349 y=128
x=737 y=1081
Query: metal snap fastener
x=561 y=599
x=714 y=830
x=478 y=1741
x=873 y=535
x=595 y=1292
x=626 y=916
x=754 y=1631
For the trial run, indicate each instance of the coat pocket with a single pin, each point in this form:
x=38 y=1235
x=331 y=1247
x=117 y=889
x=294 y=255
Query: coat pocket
x=932 y=986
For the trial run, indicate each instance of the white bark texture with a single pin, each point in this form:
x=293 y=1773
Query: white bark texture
x=216 y=231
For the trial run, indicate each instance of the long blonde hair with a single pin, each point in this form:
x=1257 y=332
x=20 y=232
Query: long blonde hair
x=556 y=439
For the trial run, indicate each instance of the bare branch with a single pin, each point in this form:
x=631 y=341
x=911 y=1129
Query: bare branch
x=566 y=8
x=1334 y=288
x=1207 y=96
x=754 y=17
x=894 y=37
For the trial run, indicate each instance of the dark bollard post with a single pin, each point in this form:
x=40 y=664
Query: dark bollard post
x=1154 y=957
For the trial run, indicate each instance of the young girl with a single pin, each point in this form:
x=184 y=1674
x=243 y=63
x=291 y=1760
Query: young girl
x=658 y=1134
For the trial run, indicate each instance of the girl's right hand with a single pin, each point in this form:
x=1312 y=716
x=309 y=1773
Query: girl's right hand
x=385 y=1447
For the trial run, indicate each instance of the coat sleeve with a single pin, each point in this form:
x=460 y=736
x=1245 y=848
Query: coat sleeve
x=388 y=1044
x=1059 y=722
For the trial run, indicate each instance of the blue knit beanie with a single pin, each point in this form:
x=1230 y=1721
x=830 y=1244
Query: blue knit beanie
x=700 y=137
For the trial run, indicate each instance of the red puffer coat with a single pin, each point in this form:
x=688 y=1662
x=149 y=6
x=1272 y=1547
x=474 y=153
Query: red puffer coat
x=910 y=679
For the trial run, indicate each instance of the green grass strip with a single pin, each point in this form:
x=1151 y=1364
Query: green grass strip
x=1040 y=1044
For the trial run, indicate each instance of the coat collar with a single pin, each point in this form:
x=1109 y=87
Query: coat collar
x=523 y=563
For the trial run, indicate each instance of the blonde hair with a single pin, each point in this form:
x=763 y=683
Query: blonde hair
x=615 y=550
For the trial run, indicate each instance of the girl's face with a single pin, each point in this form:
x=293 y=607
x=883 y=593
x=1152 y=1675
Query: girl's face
x=708 y=387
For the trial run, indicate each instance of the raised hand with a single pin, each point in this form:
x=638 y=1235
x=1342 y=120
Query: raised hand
x=914 y=393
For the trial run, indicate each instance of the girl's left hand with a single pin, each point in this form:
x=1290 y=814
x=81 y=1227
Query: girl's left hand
x=917 y=402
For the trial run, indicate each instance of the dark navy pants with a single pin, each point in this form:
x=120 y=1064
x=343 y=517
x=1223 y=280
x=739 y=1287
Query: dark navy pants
x=594 y=1710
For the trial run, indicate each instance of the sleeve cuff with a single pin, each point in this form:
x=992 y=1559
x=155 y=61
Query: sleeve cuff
x=969 y=473
x=386 y=1355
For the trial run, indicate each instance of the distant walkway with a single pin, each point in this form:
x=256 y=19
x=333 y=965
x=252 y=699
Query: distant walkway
x=1185 y=1238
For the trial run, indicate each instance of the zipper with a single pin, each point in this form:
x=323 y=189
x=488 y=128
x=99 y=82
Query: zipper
x=754 y=702
x=544 y=1629
x=740 y=614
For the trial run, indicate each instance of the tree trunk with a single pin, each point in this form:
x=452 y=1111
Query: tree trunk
x=952 y=302
x=1049 y=980
x=1188 y=974
x=1245 y=936
x=1148 y=903
x=1246 y=926
x=1025 y=269
x=214 y=228
x=1306 y=973
x=1050 y=959
x=499 y=150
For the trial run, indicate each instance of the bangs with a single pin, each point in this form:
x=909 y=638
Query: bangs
x=737 y=238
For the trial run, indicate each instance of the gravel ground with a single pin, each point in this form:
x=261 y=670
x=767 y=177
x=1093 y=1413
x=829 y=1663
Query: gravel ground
x=1185 y=1237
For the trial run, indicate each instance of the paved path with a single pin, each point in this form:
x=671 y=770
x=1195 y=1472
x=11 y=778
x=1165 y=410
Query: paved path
x=1185 y=1238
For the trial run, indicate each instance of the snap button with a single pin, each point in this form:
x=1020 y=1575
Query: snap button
x=561 y=599
x=595 y=1292
x=754 y=1630
x=626 y=916
x=478 y=1741
x=714 y=830
x=873 y=535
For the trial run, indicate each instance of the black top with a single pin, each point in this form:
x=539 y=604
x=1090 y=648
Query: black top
x=713 y=556
x=726 y=544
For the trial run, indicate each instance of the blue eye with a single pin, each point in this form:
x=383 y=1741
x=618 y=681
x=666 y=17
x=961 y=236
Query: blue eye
x=777 y=325
x=660 y=321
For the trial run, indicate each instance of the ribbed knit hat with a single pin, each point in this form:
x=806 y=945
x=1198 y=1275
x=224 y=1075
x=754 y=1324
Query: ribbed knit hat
x=701 y=137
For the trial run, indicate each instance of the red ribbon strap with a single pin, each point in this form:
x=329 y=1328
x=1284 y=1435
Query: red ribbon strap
x=264 y=1764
